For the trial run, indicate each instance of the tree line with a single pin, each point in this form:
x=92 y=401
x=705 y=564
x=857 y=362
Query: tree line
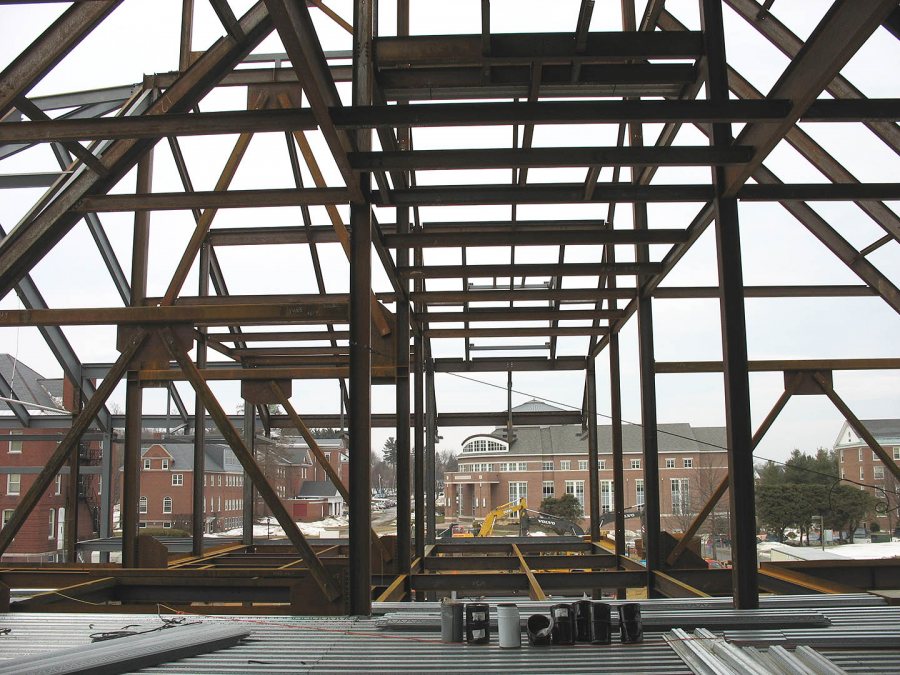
x=805 y=488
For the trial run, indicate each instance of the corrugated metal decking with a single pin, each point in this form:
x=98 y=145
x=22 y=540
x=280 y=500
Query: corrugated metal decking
x=341 y=645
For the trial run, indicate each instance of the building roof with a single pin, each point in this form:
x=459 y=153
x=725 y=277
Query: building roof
x=570 y=438
x=535 y=405
x=219 y=457
x=884 y=431
x=28 y=385
x=318 y=488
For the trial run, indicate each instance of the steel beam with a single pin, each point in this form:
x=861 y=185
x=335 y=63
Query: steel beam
x=839 y=35
x=298 y=34
x=245 y=457
x=30 y=240
x=42 y=55
x=69 y=442
x=734 y=329
x=498 y=158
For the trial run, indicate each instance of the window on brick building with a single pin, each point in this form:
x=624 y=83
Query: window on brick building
x=142 y=507
x=52 y=523
x=859 y=454
x=177 y=479
x=13 y=483
x=167 y=505
x=565 y=465
x=862 y=473
x=220 y=480
x=576 y=488
x=606 y=496
x=688 y=462
x=523 y=466
x=897 y=454
x=164 y=464
x=601 y=465
x=582 y=465
x=670 y=462
x=146 y=465
x=7 y=516
x=681 y=495
x=841 y=453
x=15 y=445
x=547 y=489
x=518 y=489
x=639 y=492
x=635 y=464
x=878 y=472
x=167 y=524
x=547 y=465
x=58 y=485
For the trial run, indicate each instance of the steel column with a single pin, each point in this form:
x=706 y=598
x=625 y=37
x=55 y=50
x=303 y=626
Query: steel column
x=430 y=439
x=739 y=432
x=106 y=495
x=248 y=515
x=131 y=470
x=198 y=523
x=419 y=458
x=593 y=450
x=403 y=410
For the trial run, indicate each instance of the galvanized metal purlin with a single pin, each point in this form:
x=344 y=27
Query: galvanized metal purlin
x=50 y=48
x=29 y=241
x=245 y=457
x=79 y=425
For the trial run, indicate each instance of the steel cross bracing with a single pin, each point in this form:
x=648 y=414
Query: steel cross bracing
x=555 y=315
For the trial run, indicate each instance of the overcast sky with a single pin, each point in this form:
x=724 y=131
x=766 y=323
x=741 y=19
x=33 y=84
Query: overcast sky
x=142 y=37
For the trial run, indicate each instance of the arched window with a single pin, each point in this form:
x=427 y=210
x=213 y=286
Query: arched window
x=167 y=505
x=143 y=505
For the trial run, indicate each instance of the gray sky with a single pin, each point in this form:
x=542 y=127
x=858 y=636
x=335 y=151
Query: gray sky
x=142 y=37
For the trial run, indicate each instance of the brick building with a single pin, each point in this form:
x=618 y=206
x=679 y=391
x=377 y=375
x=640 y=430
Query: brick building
x=858 y=462
x=24 y=452
x=167 y=471
x=167 y=487
x=550 y=461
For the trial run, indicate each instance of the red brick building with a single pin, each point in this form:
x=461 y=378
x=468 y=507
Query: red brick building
x=24 y=452
x=167 y=470
x=167 y=487
x=550 y=461
x=858 y=462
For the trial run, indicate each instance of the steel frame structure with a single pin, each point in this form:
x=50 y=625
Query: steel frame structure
x=650 y=72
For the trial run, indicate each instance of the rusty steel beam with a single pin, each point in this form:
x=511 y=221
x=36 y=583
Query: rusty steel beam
x=324 y=580
x=50 y=47
x=494 y=158
x=232 y=199
x=527 y=270
x=856 y=423
x=523 y=331
x=203 y=315
x=519 y=314
x=520 y=234
x=841 y=32
x=722 y=487
x=298 y=34
x=839 y=87
x=69 y=442
x=29 y=241
x=781 y=365
x=314 y=448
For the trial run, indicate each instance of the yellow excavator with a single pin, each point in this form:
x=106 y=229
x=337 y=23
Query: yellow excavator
x=527 y=518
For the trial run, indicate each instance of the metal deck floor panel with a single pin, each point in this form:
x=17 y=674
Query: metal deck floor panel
x=344 y=644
